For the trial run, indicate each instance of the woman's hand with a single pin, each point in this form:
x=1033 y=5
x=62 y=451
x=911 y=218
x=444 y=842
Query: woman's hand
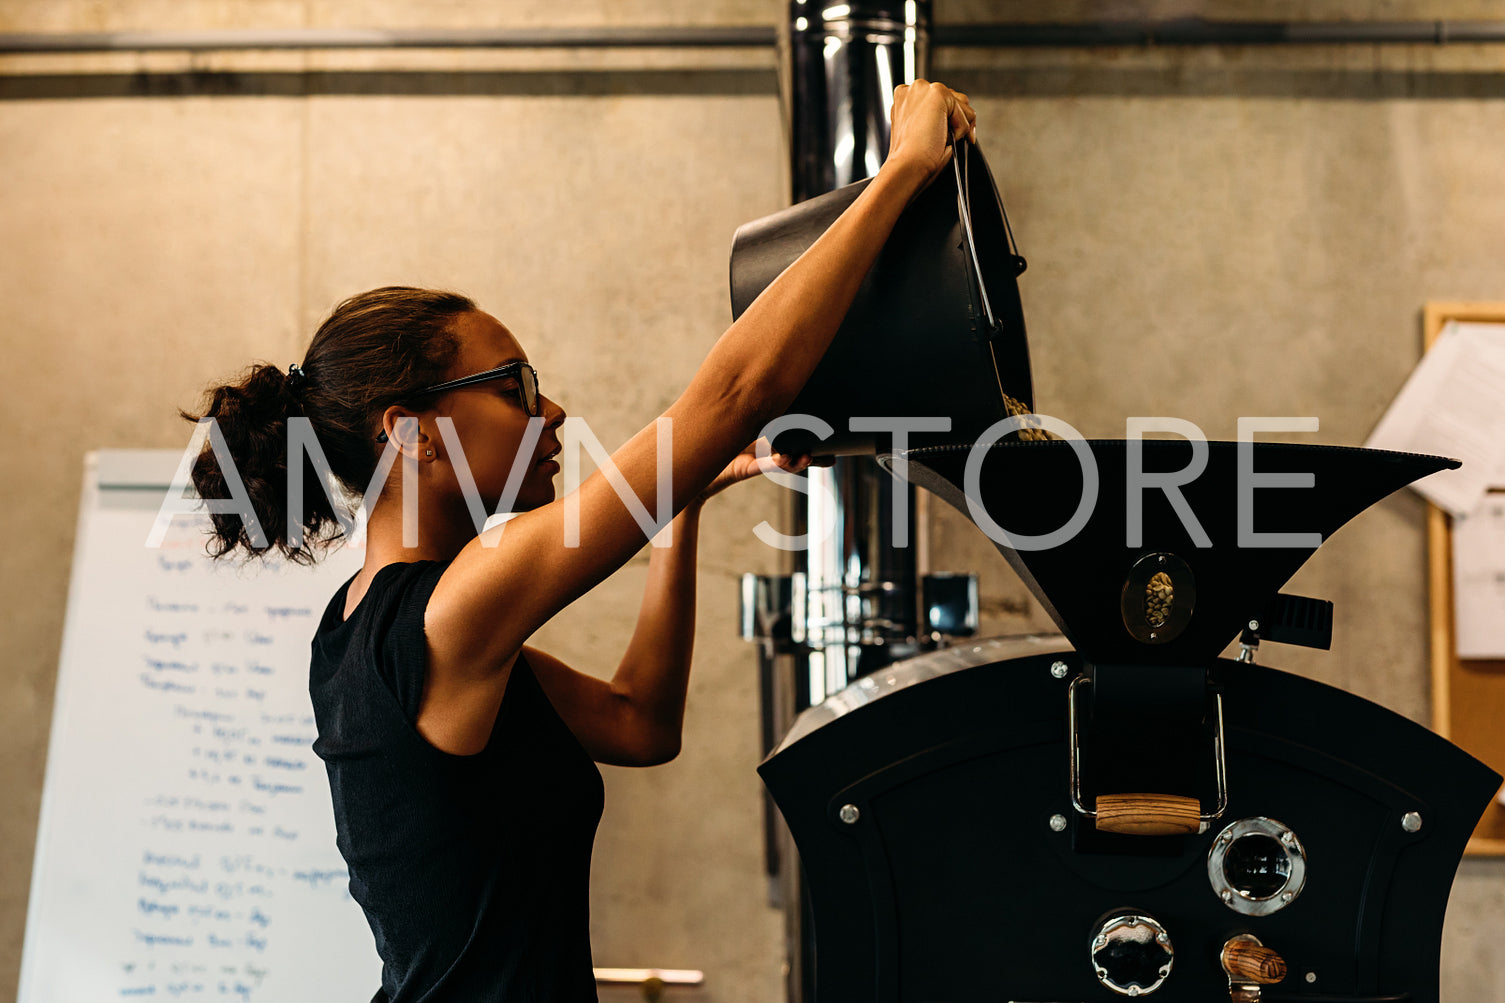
x=748 y=464
x=927 y=116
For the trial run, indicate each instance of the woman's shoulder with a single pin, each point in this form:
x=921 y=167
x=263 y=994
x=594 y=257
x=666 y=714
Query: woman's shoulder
x=395 y=582
x=358 y=607
x=382 y=638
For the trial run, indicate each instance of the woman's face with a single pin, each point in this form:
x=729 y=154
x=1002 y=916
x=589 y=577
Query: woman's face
x=491 y=421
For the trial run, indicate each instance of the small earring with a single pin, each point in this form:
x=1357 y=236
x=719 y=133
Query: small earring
x=428 y=452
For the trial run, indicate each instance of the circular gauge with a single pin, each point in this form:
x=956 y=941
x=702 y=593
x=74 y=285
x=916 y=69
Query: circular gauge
x=1131 y=953
x=1256 y=866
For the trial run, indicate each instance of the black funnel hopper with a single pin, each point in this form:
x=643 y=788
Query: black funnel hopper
x=1192 y=579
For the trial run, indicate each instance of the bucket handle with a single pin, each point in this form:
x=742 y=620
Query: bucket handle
x=959 y=165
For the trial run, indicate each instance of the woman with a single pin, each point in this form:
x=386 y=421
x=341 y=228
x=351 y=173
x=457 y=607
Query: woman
x=461 y=761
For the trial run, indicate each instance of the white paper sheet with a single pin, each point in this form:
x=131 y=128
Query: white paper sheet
x=1453 y=404
x=186 y=846
x=1479 y=580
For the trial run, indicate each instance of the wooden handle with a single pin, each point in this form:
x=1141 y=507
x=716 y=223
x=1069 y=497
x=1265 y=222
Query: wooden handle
x=1247 y=960
x=1148 y=814
x=659 y=977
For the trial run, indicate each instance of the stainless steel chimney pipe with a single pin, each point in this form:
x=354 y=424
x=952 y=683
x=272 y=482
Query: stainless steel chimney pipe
x=855 y=595
x=856 y=591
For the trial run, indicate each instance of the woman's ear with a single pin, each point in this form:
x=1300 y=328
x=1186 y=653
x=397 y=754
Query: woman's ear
x=402 y=428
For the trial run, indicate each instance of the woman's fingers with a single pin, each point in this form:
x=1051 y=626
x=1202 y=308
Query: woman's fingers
x=928 y=117
x=963 y=117
x=971 y=120
x=758 y=459
x=790 y=464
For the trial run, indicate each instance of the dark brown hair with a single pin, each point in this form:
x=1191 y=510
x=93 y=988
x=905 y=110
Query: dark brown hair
x=373 y=351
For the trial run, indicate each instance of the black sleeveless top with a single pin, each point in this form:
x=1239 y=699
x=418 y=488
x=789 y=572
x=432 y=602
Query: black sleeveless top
x=472 y=870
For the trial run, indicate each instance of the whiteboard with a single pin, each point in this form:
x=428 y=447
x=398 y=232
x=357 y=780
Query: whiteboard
x=186 y=845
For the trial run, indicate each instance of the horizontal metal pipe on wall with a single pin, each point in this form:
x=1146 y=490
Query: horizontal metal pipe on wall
x=364 y=38
x=1195 y=31
x=1186 y=32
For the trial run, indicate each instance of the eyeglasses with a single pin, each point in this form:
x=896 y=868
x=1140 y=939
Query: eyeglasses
x=526 y=376
x=527 y=386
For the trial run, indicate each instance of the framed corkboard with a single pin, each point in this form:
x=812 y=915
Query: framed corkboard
x=1468 y=695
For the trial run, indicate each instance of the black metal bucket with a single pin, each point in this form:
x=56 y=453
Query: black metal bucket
x=936 y=330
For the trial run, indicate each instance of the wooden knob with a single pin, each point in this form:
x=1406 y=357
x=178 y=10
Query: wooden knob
x=1149 y=814
x=1247 y=960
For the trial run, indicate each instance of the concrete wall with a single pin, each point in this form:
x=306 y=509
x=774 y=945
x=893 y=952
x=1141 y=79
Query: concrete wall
x=1212 y=233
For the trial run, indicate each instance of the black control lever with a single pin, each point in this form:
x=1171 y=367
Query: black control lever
x=1292 y=619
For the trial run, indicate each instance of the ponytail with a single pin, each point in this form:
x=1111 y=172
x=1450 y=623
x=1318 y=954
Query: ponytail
x=252 y=415
x=372 y=351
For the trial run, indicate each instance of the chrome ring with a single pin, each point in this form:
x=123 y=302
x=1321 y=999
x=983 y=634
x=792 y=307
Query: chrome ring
x=1134 y=933
x=1292 y=867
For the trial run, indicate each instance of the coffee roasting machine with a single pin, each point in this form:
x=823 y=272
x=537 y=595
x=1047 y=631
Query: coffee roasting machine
x=1109 y=811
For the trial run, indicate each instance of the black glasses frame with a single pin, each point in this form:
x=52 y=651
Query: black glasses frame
x=527 y=386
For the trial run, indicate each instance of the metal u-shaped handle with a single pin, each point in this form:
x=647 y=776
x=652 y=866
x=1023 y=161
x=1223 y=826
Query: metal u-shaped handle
x=959 y=166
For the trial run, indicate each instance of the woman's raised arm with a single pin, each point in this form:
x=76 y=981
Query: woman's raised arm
x=497 y=592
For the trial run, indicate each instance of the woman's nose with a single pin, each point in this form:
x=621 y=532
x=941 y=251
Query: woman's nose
x=553 y=414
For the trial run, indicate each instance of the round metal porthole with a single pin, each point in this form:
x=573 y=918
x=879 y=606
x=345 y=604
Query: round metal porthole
x=1157 y=599
x=1256 y=866
x=1132 y=954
